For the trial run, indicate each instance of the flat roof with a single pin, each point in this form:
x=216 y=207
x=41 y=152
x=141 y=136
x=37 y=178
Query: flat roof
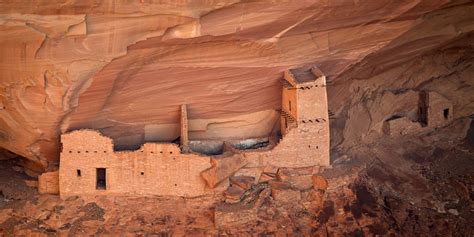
x=306 y=74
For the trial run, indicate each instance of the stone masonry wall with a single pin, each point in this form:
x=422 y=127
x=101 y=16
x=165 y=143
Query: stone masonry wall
x=289 y=97
x=312 y=104
x=306 y=145
x=440 y=110
x=154 y=169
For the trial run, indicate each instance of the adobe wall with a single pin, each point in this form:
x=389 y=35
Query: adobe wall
x=290 y=95
x=312 y=104
x=306 y=145
x=437 y=105
x=154 y=169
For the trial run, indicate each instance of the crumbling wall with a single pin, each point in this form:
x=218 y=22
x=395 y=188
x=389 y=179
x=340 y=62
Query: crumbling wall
x=401 y=127
x=154 y=169
x=439 y=111
x=306 y=145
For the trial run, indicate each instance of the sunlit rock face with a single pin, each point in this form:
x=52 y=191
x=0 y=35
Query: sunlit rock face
x=125 y=68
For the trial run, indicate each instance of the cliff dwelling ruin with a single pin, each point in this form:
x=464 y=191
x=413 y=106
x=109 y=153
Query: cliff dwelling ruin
x=237 y=118
x=90 y=166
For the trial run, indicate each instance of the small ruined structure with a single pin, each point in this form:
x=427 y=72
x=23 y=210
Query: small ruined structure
x=434 y=111
x=90 y=166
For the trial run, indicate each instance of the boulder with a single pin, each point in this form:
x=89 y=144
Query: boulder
x=265 y=177
x=233 y=194
x=299 y=178
x=319 y=182
x=222 y=168
x=243 y=182
x=284 y=174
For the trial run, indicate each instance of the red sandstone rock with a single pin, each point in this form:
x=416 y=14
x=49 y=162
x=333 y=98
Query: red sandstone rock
x=300 y=178
x=233 y=194
x=283 y=193
x=265 y=177
x=31 y=183
x=319 y=183
x=222 y=167
x=244 y=182
x=313 y=200
x=77 y=57
x=228 y=215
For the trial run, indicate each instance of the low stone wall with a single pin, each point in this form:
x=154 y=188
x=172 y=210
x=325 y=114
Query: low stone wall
x=154 y=169
x=306 y=145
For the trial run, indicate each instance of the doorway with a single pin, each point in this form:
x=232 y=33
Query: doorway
x=101 y=179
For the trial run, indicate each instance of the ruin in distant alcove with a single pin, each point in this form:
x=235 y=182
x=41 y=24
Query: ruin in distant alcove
x=90 y=166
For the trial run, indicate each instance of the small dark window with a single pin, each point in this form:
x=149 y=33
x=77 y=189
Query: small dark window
x=142 y=173
x=289 y=105
x=78 y=172
x=171 y=152
x=101 y=179
x=446 y=113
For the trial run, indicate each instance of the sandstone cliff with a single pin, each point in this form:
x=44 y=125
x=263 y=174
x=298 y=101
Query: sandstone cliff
x=125 y=68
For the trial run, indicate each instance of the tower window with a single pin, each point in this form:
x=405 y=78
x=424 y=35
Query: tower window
x=78 y=172
x=289 y=105
x=446 y=113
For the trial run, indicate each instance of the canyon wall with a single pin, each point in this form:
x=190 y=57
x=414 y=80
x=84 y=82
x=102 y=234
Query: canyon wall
x=125 y=68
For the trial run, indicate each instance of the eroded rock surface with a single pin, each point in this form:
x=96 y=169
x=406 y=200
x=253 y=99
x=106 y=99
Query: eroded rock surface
x=125 y=68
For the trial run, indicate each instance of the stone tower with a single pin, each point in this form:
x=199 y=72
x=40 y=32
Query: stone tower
x=304 y=98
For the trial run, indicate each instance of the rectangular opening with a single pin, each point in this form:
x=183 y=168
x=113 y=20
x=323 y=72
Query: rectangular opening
x=423 y=108
x=289 y=105
x=101 y=179
x=446 y=113
x=78 y=172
